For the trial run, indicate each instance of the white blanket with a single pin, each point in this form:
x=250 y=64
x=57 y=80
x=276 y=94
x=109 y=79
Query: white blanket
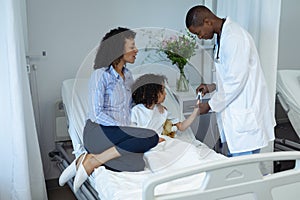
x=173 y=154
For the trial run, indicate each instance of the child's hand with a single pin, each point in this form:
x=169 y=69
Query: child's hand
x=199 y=97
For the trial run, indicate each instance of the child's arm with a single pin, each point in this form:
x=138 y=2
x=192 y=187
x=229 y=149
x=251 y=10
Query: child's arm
x=187 y=122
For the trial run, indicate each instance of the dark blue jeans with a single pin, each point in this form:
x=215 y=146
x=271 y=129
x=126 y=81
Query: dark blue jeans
x=130 y=142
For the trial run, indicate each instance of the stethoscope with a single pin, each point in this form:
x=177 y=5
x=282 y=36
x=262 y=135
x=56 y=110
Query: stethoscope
x=217 y=58
x=217 y=45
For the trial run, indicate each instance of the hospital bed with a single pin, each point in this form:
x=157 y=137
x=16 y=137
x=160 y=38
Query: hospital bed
x=288 y=93
x=183 y=168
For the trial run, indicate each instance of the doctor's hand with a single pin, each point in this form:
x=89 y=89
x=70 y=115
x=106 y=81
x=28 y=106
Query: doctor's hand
x=203 y=108
x=205 y=88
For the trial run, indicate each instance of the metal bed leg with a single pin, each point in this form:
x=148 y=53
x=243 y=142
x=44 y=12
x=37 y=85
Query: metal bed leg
x=86 y=192
x=286 y=145
x=60 y=148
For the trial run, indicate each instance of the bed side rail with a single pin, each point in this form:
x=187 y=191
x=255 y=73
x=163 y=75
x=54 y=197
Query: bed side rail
x=235 y=178
x=284 y=104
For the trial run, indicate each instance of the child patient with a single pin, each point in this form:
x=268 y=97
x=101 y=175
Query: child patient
x=148 y=92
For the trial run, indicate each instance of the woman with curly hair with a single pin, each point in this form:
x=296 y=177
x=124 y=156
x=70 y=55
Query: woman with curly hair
x=108 y=137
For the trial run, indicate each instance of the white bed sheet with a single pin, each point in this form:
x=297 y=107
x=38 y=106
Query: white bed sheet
x=166 y=157
x=288 y=87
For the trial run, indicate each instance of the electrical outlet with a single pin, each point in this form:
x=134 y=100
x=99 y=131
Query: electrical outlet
x=28 y=69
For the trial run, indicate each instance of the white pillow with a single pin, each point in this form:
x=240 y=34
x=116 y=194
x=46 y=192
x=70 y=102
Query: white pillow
x=136 y=76
x=157 y=68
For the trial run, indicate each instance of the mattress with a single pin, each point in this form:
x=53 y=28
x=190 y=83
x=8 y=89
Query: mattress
x=75 y=100
x=169 y=156
x=288 y=92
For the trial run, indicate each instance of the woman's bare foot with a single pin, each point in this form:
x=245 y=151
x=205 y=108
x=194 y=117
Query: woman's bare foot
x=79 y=161
x=90 y=163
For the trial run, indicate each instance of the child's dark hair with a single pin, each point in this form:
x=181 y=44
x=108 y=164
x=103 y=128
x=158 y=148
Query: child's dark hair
x=146 y=88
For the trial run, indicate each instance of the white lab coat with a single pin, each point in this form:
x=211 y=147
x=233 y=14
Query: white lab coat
x=241 y=100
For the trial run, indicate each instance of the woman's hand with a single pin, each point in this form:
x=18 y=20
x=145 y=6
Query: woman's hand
x=161 y=140
x=161 y=108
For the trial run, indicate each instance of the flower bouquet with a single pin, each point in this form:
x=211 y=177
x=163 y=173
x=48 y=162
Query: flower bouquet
x=179 y=49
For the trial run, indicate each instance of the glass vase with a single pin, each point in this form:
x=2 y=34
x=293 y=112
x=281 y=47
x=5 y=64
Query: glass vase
x=182 y=84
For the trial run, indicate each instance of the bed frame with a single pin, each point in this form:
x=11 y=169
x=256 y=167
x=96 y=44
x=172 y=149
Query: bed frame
x=237 y=178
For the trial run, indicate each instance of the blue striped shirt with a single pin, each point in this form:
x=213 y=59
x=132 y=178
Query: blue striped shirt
x=110 y=97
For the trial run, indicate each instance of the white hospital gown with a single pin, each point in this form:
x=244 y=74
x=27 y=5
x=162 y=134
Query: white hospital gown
x=152 y=119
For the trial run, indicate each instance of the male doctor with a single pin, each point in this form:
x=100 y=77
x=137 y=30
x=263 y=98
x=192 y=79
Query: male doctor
x=241 y=101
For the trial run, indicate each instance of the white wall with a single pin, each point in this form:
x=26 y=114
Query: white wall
x=67 y=30
x=289 y=40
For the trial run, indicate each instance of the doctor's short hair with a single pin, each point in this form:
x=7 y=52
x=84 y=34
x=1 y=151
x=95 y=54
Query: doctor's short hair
x=196 y=15
x=112 y=47
x=146 y=88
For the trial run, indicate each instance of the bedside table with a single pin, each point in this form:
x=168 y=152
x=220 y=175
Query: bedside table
x=187 y=100
x=205 y=126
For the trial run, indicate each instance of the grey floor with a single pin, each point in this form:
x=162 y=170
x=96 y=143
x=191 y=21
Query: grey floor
x=55 y=192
